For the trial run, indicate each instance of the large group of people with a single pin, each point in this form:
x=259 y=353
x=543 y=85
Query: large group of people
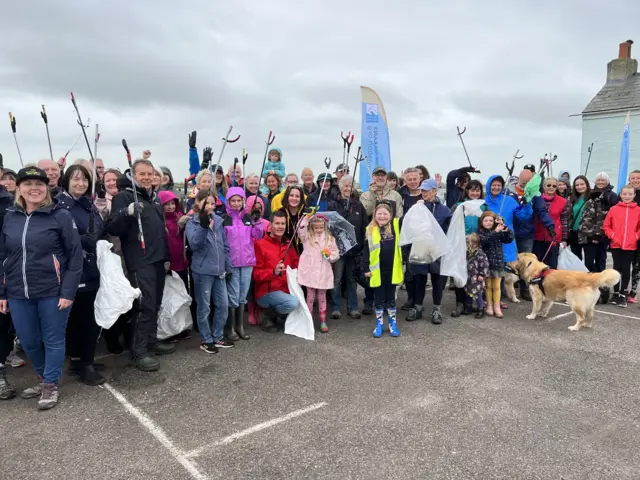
x=231 y=240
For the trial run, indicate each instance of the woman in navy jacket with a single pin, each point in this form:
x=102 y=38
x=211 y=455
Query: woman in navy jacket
x=41 y=258
x=82 y=330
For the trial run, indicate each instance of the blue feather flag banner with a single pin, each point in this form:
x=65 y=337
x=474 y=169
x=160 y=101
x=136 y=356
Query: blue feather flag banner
x=624 y=155
x=374 y=138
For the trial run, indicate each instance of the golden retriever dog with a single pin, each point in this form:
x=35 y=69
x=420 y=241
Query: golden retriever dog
x=579 y=289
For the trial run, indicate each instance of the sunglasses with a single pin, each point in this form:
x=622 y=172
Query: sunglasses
x=551 y=185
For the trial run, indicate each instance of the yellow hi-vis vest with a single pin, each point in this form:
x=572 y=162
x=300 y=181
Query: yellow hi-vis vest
x=374 y=257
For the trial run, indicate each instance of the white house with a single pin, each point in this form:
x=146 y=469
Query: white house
x=603 y=118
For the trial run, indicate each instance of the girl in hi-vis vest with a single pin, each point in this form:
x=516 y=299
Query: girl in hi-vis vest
x=382 y=264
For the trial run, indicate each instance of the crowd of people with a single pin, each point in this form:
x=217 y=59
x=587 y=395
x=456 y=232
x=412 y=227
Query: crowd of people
x=231 y=239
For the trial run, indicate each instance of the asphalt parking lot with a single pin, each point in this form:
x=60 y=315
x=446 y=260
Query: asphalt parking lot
x=486 y=399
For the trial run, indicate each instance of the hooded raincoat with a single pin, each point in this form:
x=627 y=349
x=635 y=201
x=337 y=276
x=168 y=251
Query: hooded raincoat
x=508 y=210
x=241 y=232
x=175 y=233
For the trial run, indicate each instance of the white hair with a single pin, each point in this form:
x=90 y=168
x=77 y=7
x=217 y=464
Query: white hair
x=345 y=179
x=603 y=176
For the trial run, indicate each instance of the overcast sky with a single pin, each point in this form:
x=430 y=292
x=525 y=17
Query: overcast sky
x=152 y=71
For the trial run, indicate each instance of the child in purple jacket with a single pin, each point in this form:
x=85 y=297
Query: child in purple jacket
x=242 y=229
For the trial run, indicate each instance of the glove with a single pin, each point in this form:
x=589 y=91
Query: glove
x=307 y=209
x=167 y=268
x=255 y=215
x=192 y=139
x=1 y=162
x=552 y=233
x=207 y=153
x=102 y=192
x=205 y=220
x=134 y=209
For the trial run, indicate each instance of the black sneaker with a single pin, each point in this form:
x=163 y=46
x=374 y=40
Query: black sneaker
x=209 y=348
x=615 y=299
x=224 y=343
x=622 y=302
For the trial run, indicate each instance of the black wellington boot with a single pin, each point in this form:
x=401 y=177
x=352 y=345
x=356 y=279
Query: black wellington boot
x=240 y=323
x=6 y=390
x=230 y=326
x=604 y=295
x=267 y=322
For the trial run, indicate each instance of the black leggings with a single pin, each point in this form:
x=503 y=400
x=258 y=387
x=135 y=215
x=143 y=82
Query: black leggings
x=82 y=330
x=420 y=285
x=576 y=248
x=622 y=260
x=385 y=295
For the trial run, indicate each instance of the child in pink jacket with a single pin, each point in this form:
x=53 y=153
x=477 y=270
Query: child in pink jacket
x=314 y=270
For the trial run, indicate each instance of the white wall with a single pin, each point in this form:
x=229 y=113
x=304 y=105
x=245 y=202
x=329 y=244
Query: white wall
x=606 y=134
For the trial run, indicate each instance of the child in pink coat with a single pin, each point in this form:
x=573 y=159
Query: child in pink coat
x=314 y=270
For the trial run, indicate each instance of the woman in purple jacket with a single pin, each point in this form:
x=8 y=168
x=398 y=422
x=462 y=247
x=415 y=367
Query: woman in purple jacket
x=241 y=229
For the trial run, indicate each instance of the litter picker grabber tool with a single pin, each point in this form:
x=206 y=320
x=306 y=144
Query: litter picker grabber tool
x=551 y=160
x=43 y=114
x=327 y=164
x=347 y=141
x=135 y=194
x=77 y=139
x=358 y=158
x=510 y=173
x=245 y=155
x=270 y=139
x=97 y=139
x=460 y=133
x=12 y=122
x=543 y=163
x=233 y=177
x=590 y=150
x=225 y=140
x=95 y=167
x=292 y=238
x=84 y=132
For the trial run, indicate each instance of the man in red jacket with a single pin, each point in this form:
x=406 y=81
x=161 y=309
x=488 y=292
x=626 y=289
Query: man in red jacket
x=270 y=274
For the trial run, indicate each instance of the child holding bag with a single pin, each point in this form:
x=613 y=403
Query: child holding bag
x=314 y=270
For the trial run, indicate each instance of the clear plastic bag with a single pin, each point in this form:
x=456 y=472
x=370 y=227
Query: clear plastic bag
x=299 y=322
x=175 y=315
x=454 y=262
x=115 y=295
x=567 y=260
x=421 y=230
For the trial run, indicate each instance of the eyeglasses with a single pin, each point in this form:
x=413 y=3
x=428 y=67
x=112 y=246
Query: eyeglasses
x=551 y=185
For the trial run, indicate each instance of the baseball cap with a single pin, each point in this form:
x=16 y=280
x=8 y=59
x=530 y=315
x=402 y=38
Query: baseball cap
x=530 y=167
x=378 y=170
x=428 y=184
x=343 y=167
x=31 y=173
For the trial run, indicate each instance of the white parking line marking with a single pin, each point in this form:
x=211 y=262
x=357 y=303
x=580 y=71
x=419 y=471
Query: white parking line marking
x=602 y=311
x=560 y=316
x=159 y=435
x=254 y=429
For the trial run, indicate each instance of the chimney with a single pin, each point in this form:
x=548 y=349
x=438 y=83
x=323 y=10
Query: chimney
x=625 y=49
x=623 y=67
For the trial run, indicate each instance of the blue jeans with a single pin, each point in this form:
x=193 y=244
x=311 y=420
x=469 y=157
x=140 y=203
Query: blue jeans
x=344 y=267
x=239 y=285
x=208 y=286
x=284 y=303
x=42 y=329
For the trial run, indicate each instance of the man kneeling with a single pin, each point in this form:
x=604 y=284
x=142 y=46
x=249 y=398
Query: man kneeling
x=270 y=274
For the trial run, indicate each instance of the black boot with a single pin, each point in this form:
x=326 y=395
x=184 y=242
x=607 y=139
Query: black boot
x=6 y=390
x=467 y=310
x=230 y=326
x=89 y=376
x=480 y=314
x=604 y=296
x=240 y=323
x=267 y=322
x=409 y=304
x=458 y=310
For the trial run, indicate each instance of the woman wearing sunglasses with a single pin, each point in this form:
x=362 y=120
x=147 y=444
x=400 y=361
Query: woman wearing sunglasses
x=545 y=244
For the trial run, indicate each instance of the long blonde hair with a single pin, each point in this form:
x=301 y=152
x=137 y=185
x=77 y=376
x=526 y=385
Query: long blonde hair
x=374 y=223
x=312 y=234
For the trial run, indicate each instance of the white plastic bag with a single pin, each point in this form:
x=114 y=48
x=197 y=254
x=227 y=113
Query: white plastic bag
x=454 y=262
x=421 y=230
x=175 y=315
x=472 y=208
x=299 y=322
x=115 y=295
x=567 y=260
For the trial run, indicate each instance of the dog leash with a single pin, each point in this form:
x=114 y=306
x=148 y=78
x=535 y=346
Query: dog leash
x=548 y=250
